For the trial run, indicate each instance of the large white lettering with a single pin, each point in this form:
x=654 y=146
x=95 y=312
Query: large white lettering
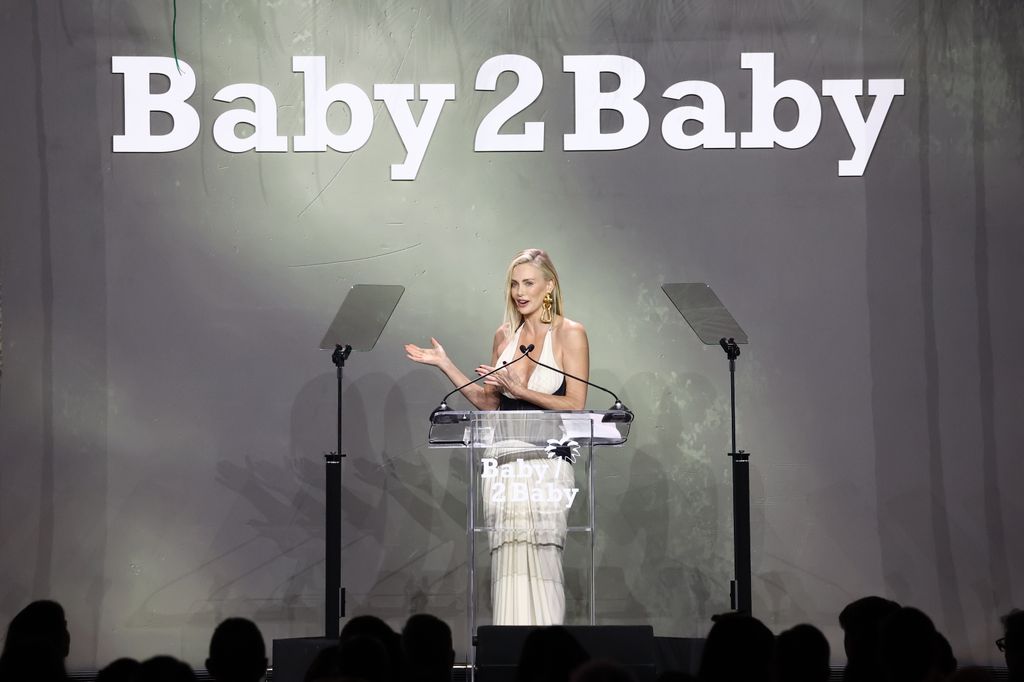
x=140 y=102
x=489 y=137
x=414 y=136
x=263 y=119
x=319 y=98
x=863 y=132
x=591 y=101
x=765 y=96
x=524 y=481
x=712 y=134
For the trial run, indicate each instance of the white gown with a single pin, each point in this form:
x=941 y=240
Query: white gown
x=527 y=582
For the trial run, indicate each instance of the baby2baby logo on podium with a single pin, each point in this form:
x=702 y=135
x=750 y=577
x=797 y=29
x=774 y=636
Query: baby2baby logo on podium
x=533 y=480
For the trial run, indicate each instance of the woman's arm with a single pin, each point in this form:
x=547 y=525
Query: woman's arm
x=480 y=396
x=575 y=360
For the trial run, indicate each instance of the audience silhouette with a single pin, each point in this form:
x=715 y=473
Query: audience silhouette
x=861 y=621
x=550 y=654
x=945 y=660
x=738 y=647
x=908 y=649
x=364 y=658
x=237 y=652
x=802 y=655
x=165 y=669
x=1012 y=644
x=121 y=670
x=372 y=626
x=884 y=642
x=427 y=649
x=326 y=666
x=601 y=671
x=36 y=645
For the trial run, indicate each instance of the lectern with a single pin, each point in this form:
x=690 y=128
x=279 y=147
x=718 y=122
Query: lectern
x=530 y=498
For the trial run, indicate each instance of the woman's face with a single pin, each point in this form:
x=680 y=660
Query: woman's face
x=528 y=287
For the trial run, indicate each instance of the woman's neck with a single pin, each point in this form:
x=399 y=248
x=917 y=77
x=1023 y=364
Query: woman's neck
x=532 y=325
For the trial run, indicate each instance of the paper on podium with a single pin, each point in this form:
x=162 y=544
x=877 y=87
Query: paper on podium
x=577 y=427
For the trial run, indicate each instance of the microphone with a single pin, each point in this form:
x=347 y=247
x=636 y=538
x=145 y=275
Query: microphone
x=443 y=407
x=616 y=413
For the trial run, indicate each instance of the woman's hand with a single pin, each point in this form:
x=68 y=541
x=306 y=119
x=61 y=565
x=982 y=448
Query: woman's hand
x=504 y=380
x=428 y=356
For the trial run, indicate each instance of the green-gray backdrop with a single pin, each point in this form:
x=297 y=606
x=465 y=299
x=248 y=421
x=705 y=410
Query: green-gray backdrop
x=164 y=407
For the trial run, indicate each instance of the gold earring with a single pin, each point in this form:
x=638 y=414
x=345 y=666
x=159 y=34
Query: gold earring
x=545 y=314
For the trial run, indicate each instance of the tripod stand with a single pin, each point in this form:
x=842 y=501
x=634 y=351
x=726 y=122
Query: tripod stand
x=713 y=324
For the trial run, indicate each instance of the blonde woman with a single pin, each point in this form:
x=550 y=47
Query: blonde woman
x=528 y=536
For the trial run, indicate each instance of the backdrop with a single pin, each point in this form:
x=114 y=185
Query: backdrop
x=164 y=408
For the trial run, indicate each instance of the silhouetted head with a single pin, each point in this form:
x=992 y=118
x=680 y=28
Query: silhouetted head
x=549 y=654
x=945 y=660
x=326 y=665
x=1013 y=644
x=802 y=655
x=369 y=626
x=738 y=647
x=237 y=652
x=37 y=643
x=121 y=670
x=372 y=626
x=165 y=669
x=601 y=671
x=427 y=645
x=40 y=620
x=364 y=658
x=34 y=660
x=908 y=646
x=861 y=621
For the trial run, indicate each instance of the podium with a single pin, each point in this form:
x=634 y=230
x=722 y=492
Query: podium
x=529 y=509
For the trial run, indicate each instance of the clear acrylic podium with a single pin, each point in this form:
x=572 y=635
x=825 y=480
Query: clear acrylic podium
x=530 y=499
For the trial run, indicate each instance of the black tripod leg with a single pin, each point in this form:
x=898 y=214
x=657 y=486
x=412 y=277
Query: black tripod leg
x=741 y=522
x=332 y=568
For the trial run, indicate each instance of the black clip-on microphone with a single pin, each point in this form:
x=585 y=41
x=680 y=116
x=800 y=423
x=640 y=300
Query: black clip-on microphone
x=618 y=412
x=438 y=416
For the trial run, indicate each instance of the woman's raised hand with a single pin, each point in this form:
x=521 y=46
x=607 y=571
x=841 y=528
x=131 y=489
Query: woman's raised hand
x=428 y=356
x=505 y=381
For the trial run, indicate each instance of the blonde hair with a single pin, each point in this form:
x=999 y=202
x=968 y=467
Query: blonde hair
x=539 y=259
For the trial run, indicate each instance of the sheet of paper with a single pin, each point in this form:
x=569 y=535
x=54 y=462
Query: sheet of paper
x=576 y=427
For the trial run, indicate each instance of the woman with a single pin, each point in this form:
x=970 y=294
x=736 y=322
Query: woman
x=528 y=534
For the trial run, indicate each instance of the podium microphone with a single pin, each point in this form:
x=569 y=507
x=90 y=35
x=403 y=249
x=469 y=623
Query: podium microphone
x=438 y=416
x=616 y=413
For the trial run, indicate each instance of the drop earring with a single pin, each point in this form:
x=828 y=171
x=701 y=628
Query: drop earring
x=545 y=314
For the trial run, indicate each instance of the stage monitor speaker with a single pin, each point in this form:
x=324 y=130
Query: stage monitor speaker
x=631 y=646
x=293 y=656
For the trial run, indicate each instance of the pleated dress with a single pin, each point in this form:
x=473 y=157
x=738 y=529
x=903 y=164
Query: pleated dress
x=527 y=527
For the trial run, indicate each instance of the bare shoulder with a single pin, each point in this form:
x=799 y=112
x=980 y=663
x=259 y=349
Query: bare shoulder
x=570 y=331
x=500 y=337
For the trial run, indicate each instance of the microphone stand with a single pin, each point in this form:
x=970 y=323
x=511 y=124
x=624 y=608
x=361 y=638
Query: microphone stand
x=739 y=594
x=438 y=416
x=616 y=413
x=334 y=603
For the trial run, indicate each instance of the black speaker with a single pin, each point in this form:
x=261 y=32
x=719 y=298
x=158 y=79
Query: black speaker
x=293 y=656
x=631 y=646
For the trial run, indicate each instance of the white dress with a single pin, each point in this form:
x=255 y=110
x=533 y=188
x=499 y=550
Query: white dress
x=528 y=528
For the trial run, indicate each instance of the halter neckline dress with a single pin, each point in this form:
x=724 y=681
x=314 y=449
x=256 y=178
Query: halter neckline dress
x=543 y=380
x=528 y=532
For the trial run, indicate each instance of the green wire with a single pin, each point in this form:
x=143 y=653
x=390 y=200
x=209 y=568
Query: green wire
x=174 y=35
